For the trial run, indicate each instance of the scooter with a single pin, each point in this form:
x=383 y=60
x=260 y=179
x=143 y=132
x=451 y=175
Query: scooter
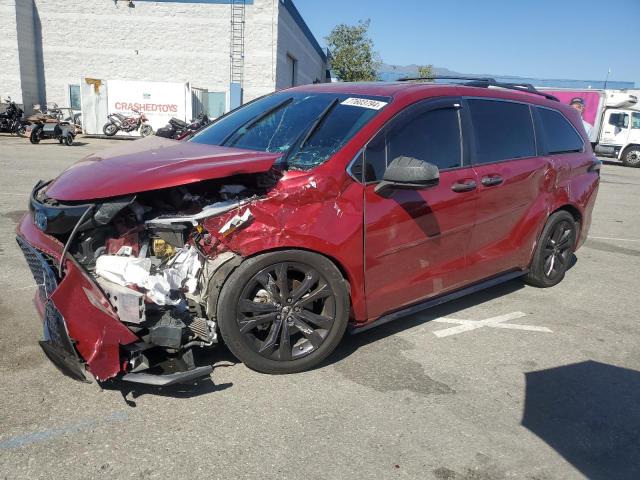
x=118 y=122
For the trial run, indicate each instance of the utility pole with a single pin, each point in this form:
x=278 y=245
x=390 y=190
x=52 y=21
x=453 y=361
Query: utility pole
x=607 y=78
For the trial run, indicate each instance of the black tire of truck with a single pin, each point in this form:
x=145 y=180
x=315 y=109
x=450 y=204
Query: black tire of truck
x=631 y=156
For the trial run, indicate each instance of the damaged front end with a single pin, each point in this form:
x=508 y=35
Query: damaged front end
x=128 y=285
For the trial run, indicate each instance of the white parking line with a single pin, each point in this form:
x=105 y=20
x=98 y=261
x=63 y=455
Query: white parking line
x=615 y=239
x=493 y=322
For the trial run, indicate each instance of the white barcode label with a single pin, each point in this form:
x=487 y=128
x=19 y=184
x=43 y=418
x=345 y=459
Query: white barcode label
x=364 y=103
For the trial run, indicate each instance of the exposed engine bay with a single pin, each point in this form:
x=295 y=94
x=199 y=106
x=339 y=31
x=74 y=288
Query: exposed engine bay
x=154 y=259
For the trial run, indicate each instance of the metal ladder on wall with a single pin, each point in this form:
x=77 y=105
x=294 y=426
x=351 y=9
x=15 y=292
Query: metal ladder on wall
x=237 y=40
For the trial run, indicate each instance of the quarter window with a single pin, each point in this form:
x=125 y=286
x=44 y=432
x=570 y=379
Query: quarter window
x=429 y=135
x=635 y=120
x=503 y=130
x=559 y=134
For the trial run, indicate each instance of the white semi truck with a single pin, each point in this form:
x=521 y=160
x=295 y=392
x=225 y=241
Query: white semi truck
x=611 y=118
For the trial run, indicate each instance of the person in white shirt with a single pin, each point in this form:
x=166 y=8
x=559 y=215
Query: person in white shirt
x=578 y=104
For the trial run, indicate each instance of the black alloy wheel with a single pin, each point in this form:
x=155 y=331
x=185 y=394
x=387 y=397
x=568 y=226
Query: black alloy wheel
x=283 y=312
x=557 y=251
x=554 y=251
x=286 y=311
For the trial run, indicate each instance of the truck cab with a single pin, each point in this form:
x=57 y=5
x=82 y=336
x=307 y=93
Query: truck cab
x=621 y=135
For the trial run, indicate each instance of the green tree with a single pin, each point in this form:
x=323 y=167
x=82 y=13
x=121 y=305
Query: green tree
x=426 y=71
x=352 y=53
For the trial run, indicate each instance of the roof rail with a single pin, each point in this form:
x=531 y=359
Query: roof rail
x=486 y=82
x=446 y=77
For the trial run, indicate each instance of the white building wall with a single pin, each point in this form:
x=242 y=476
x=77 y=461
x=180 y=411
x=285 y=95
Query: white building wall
x=9 y=60
x=310 y=66
x=176 y=42
x=155 y=41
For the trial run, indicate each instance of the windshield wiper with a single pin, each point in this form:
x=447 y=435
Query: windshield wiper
x=234 y=136
x=304 y=137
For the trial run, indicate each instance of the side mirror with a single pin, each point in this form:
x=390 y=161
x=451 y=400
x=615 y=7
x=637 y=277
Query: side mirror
x=408 y=173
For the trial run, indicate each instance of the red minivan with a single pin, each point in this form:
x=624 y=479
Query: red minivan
x=298 y=216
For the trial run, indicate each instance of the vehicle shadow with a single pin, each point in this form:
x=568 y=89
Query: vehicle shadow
x=219 y=357
x=612 y=162
x=351 y=343
x=588 y=412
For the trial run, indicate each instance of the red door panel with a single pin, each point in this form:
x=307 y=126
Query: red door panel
x=510 y=207
x=416 y=242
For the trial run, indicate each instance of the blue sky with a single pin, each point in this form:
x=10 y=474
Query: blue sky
x=545 y=39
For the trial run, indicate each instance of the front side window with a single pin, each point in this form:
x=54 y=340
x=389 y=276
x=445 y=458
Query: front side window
x=559 y=134
x=503 y=130
x=307 y=128
x=430 y=135
x=619 y=120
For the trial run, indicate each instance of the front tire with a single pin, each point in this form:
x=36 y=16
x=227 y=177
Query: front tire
x=283 y=312
x=146 y=130
x=553 y=252
x=631 y=156
x=109 y=129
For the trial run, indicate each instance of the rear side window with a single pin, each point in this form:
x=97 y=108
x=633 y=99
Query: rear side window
x=559 y=134
x=503 y=130
x=429 y=135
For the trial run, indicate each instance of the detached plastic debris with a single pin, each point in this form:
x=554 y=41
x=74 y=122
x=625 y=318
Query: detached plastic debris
x=236 y=222
x=180 y=274
x=123 y=270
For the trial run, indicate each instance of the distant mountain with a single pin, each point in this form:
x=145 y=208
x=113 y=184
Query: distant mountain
x=390 y=73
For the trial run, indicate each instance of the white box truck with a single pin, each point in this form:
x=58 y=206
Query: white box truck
x=611 y=119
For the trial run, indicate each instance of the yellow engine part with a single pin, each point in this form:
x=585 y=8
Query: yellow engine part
x=162 y=248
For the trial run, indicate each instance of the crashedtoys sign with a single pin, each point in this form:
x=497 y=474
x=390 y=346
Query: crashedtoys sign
x=159 y=101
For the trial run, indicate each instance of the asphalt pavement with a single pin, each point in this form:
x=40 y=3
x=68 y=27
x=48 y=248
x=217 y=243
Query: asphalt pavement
x=547 y=386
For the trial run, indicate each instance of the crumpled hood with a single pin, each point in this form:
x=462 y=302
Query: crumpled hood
x=153 y=163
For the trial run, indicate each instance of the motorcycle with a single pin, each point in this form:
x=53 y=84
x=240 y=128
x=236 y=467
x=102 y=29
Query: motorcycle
x=118 y=122
x=11 y=119
x=40 y=116
x=64 y=132
x=179 y=129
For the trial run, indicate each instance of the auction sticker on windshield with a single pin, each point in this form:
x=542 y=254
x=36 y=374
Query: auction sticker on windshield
x=364 y=103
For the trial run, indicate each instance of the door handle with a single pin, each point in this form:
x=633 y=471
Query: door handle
x=491 y=181
x=464 y=186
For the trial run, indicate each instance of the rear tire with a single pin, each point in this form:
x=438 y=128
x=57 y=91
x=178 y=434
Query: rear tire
x=109 y=129
x=553 y=252
x=35 y=135
x=631 y=156
x=283 y=312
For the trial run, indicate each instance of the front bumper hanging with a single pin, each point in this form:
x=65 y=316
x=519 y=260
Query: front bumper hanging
x=57 y=344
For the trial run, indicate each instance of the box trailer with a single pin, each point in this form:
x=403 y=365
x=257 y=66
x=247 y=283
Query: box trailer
x=611 y=118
